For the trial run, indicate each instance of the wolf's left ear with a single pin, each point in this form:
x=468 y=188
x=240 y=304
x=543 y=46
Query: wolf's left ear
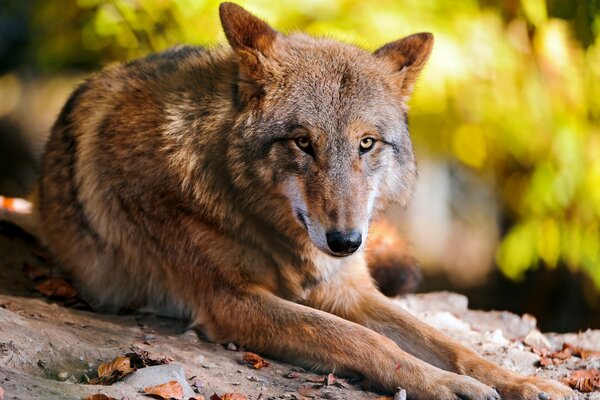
x=409 y=55
x=244 y=31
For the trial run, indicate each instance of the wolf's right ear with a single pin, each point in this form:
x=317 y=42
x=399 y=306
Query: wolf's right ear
x=245 y=32
x=409 y=55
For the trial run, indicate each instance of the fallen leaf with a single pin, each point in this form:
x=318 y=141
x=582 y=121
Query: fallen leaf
x=255 y=360
x=309 y=391
x=229 y=396
x=99 y=396
x=169 y=390
x=199 y=397
x=1 y=393
x=141 y=359
x=586 y=380
x=58 y=288
x=567 y=351
x=121 y=364
x=330 y=380
x=109 y=373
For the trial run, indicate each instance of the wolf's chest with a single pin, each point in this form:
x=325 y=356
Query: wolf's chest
x=297 y=281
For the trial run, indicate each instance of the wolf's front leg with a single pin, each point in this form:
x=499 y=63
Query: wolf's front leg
x=267 y=324
x=354 y=297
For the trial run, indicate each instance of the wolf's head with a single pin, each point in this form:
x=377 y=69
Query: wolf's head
x=325 y=124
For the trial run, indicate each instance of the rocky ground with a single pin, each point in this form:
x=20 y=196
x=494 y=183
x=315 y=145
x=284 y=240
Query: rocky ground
x=50 y=348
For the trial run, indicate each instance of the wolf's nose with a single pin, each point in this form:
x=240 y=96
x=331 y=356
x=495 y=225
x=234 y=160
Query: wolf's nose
x=344 y=243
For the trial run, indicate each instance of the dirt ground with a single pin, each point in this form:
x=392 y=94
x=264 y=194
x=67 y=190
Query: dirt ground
x=49 y=348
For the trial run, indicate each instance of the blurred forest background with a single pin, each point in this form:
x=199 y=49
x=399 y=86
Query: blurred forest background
x=505 y=122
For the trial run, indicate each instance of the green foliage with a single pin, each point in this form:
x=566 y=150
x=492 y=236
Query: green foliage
x=512 y=91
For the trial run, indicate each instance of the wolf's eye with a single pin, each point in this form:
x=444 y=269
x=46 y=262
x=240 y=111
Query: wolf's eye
x=303 y=142
x=366 y=144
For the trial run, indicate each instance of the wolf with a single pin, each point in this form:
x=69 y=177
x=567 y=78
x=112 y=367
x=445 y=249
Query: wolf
x=235 y=187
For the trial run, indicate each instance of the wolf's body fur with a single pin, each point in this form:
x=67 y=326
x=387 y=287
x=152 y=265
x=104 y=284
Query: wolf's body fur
x=173 y=183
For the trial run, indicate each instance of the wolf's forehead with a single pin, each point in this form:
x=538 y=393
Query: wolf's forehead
x=333 y=81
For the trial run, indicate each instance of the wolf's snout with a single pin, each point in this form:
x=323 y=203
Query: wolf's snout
x=344 y=243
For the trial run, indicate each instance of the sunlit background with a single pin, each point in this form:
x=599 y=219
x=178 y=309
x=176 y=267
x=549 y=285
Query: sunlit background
x=505 y=122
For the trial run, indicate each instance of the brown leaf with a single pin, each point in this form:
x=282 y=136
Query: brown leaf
x=109 y=373
x=199 y=397
x=330 y=380
x=99 y=396
x=255 y=360
x=58 y=288
x=567 y=351
x=1 y=393
x=315 y=379
x=121 y=364
x=141 y=359
x=229 y=396
x=585 y=380
x=169 y=390
x=309 y=391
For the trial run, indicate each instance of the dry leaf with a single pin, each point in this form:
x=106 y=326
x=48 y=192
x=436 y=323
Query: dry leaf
x=234 y=396
x=255 y=360
x=330 y=380
x=99 y=396
x=586 y=380
x=199 y=397
x=58 y=288
x=309 y=391
x=121 y=364
x=229 y=396
x=169 y=390
x=1 y=393
x=109 y=373
x=567 y=351
x=141 y=359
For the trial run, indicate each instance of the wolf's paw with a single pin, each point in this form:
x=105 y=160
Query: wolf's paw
x=536 y=389
x=459 y=387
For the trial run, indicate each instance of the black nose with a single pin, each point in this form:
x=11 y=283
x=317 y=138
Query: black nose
x=344 y=243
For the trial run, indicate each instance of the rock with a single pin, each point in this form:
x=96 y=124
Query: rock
x=454 y=303
x=400 y=394
x=231 y=347
x=157 y=375
x=62 y=376
x=512 y=325
x=444 y=321
x=537 y=340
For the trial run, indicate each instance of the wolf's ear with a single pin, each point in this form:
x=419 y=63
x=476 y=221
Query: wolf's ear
x=244 y=31
x=409 y=55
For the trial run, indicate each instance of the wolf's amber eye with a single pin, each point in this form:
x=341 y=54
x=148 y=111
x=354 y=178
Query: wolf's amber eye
x=366 y=144
x=303 y=142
